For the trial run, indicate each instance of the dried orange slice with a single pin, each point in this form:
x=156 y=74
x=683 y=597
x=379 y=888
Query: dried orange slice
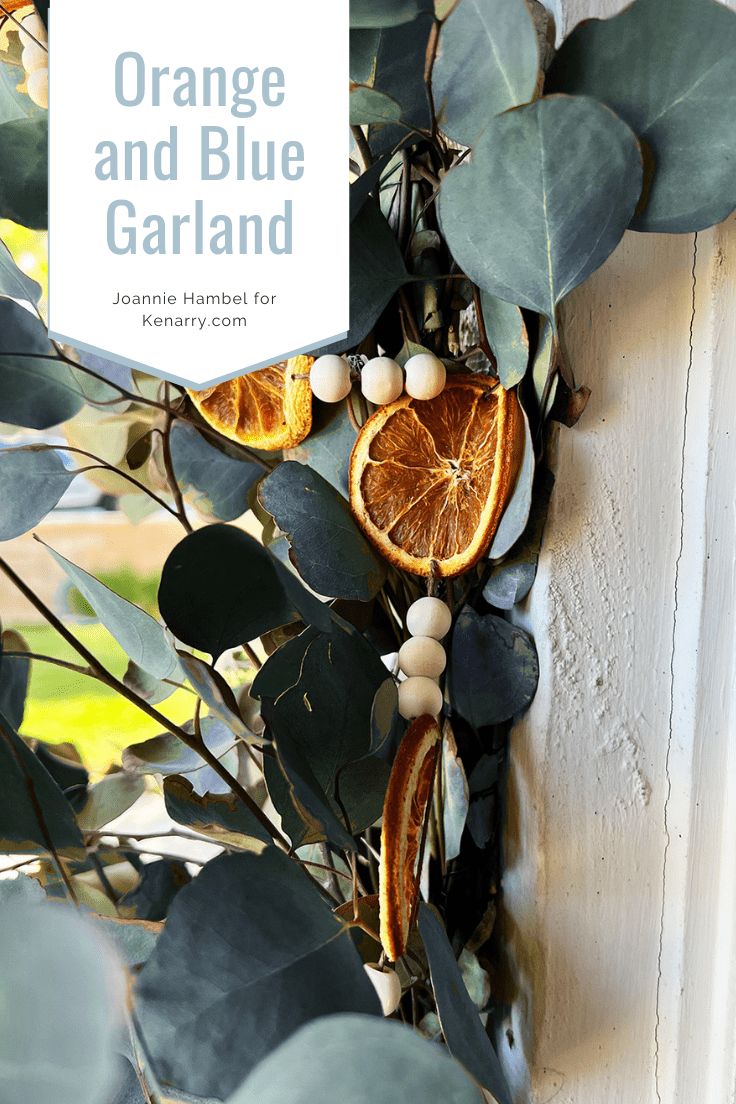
x=269 y=409
x=430 y=480
x=407 y=796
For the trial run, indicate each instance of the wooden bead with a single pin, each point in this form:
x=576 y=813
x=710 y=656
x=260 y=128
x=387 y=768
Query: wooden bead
x=329 y=378
x=425 y=376
x=37 y=84
x=34 y=57
x=32 y=30
x=419 y=695
x=387 y=985
x=381 y=380
x=429 y=617
x=422 y=655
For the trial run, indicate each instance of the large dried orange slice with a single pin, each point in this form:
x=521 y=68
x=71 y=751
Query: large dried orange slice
x=269 y=409
x=429 y=480
x=405 y=805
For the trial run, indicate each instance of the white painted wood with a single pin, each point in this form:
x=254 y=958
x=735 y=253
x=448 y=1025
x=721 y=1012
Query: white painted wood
x=620 y=884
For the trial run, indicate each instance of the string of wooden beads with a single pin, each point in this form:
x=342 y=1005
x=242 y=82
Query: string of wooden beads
x=422 y=658
x=35 y=58
x=382 y=379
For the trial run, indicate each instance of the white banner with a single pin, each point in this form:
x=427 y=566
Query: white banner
x=198 y=189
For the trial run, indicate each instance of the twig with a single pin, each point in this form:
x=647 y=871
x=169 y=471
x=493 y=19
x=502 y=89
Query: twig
x=363 y=148
x=174 y=487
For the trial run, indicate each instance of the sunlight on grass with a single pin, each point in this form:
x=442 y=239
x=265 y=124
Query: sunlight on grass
x=66 y=707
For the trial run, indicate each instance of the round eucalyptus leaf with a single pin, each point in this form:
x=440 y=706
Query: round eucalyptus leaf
x=218 y=484
x=516 y=515
x=382 y=13
x=109 y=798
x=24 y=172
x=507 y=336
x=13 y=282
x=15 y=672
x=487 y=62
x=250 y=953
x=141 y=637
x=20 y=890
x=221 y=816
x=220 y=588
x=356 y=1058
x=544 y=201
x=327 y=548
x=31 y=484
x=668 y=67
x=493 y=669
x=327 y=448
x=368 y=105
x=37 y=390
x=363 y=47
x=53 y=962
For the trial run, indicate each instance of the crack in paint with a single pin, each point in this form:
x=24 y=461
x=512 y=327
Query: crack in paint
x=668 y=778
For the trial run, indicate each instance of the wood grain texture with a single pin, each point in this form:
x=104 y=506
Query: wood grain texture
x=620 y=884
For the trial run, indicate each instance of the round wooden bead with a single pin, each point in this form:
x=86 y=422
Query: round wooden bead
x=381 y=380
x=387 y=985
x=425 y=376
x=34 y=57
x=37 y=84
x=419 y=695
x=32 y=29
x=429 y=617
x=329 y=378
x=422 y=655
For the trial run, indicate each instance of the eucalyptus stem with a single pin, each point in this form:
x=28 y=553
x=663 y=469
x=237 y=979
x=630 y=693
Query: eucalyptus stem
x=174 y=487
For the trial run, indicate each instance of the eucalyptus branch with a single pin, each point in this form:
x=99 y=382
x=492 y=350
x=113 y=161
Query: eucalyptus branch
x=174 y=487
x=363 y=148
x=160 y=718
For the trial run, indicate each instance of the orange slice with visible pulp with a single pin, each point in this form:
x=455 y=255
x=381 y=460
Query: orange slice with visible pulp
x=429 y=480
x=269 y=409
x=405 y=805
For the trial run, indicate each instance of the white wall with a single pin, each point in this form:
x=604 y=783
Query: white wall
x=620 y=887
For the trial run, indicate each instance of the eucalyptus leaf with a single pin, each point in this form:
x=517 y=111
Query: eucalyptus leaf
x=399 y=72
x=386 y=724
x=327 y=548
x=464 y=1034
x=14 y=104
x=151 y=689
x=323 y=704
x=377 y=271
x=483 y=781
x=128 y=1090
x=668 y=68
x=327 y=448
x=31 y=484
x=221 y=816
x=455 y=794
x=511 y=581
x=250 y=952
x=214 y=692
x=133 y=940
x=382 y=13
x=310 y=800
x=363 y=46
x=368 y=105
x=141 y=637
x=219 y=485
x=37 y=389
x=109 y=798
x=14 y=675
x=487 y=62
x=544 y=374
x=507 y=336
x=159 y=884
x=20 y=890
x=493 y=669
x=61 y=1005
x=13 y=282
x=547 y=197
x=166 y=754
x=24 y=172
x=34 y=813
x=516 y=515
x=351 y=1059
x=220 y=588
